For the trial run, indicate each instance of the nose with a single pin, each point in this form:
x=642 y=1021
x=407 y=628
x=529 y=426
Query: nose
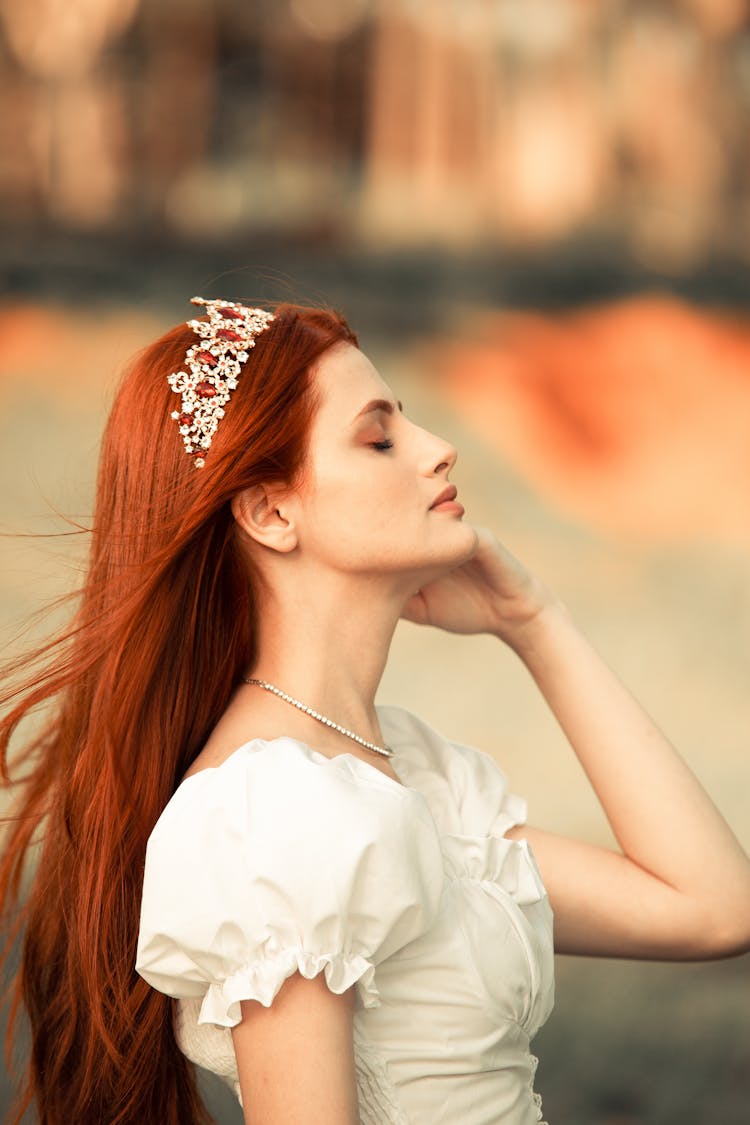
x=436 y=455
x=446 y=457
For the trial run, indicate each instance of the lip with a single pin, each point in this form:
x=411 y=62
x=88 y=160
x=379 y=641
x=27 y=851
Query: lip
x=447 y=496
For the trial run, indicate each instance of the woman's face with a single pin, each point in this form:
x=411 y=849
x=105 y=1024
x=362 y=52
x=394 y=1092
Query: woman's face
x=367 y=500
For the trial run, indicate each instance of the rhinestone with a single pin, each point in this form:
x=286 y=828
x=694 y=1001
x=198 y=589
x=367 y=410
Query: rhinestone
x=223 y=351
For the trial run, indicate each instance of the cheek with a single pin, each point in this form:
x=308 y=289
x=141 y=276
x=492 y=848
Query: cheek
x=357 y=484
x=372 y=515
x=356 y=505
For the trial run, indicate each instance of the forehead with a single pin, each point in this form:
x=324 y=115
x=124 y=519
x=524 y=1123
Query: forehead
x=346 y=381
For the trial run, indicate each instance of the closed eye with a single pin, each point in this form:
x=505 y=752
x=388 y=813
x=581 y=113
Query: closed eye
x=382 y=445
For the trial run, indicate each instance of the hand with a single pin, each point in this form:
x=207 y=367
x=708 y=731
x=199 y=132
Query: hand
x=492 y=592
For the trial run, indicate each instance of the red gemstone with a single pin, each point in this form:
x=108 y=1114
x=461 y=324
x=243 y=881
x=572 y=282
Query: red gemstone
x=228 y=334
x=208 y=359
x=186 y=419
x=205 y=390
x=231 y=314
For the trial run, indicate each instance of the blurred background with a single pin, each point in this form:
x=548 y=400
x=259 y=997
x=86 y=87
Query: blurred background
x=536 y=213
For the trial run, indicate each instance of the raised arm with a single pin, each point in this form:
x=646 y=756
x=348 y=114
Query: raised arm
x=296 y=1058
x=680 y=887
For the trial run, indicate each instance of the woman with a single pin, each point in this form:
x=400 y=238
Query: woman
x=345 y=905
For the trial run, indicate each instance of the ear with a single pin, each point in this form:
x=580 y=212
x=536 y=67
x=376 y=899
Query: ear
x=261 y=514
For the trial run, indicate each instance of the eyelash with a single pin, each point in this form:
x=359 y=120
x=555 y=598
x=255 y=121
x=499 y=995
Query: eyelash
x=382 y=445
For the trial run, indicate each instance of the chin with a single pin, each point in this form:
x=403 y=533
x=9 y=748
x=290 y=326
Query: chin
x=456 y=549
x=465 y=542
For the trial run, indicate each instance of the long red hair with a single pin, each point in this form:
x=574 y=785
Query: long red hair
x=164 y=629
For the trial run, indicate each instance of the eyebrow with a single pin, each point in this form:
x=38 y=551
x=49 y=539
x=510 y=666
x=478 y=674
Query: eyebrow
x=383 y=404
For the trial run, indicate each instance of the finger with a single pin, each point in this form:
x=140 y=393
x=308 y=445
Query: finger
x=415 y=609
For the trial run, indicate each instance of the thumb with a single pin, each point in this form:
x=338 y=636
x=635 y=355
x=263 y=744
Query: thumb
x=415 y=609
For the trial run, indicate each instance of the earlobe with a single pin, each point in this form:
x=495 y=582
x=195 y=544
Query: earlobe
x=259 y=513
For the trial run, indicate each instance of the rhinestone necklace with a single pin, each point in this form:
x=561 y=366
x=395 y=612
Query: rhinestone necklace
x=385 y=751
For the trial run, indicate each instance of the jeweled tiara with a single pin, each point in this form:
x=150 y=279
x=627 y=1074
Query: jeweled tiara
x=212 y=367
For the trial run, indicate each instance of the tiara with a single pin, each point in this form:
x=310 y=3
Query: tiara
x=212 y=367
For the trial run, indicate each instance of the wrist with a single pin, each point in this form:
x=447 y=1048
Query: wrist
x=525 y=633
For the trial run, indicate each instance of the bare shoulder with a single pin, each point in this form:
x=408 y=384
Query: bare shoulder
x=238 y=725
x=243 y=722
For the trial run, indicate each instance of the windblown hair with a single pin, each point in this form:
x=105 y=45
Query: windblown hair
x=164 y=628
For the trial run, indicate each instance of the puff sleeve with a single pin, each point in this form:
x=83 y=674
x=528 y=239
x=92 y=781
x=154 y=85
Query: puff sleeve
x=465 y=783
x=282 y=860
x=470 y=795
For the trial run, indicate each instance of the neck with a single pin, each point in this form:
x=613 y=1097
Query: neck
x=328 y=650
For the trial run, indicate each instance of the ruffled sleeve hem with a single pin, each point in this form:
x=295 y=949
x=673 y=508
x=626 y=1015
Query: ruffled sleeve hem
x=513 y=812
x=262 y=980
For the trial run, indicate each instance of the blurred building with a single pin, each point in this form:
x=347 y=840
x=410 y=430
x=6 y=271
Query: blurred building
x=464 y=123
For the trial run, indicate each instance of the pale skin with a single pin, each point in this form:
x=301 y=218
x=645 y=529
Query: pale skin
x=341 y=555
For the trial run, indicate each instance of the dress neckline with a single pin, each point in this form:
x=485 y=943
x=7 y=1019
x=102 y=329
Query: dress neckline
x=357 y=763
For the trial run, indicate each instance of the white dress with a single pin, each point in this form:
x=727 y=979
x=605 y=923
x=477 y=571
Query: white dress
x=282 y=859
